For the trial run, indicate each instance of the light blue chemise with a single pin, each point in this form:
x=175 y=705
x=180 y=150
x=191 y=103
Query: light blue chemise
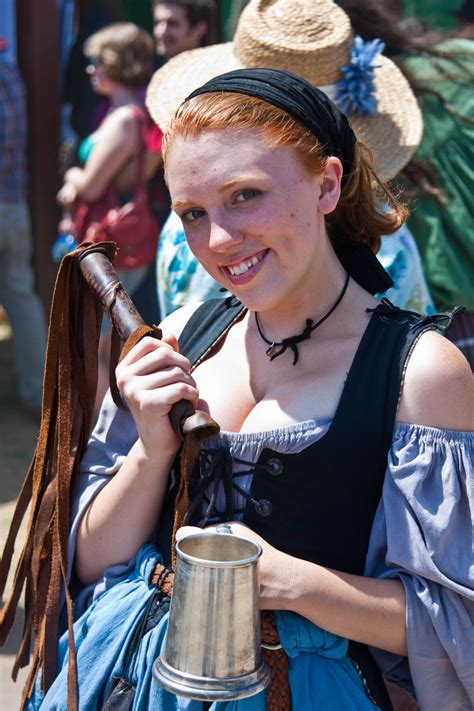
x=422 y=533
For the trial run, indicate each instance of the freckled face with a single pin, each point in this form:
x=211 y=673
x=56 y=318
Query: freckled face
x=250 y=214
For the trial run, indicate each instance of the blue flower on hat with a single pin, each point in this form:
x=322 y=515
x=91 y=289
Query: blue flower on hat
x=356 y=89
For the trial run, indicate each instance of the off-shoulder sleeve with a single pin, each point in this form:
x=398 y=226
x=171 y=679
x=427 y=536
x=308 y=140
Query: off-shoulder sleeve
x=422 y=533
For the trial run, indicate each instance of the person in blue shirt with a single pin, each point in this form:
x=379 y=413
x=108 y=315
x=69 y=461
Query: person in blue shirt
x=17 y=290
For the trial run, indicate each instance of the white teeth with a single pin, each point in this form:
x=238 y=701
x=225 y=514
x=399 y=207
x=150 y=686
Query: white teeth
x=238 y=269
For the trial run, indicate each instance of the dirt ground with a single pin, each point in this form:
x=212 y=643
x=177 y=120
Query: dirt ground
x=18 y=434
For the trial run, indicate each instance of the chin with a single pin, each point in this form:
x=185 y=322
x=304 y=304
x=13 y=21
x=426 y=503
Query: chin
x=257 y=301
x=97 y=89
x=171 y=53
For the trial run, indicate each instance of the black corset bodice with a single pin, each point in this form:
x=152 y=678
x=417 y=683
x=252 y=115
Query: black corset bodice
x=318 y=504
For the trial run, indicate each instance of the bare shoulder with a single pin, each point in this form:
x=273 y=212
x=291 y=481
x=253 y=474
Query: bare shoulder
x=438 y=390
x=121 y=122
x=174 y=323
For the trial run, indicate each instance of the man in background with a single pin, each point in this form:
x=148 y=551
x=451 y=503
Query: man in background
x=183 y=24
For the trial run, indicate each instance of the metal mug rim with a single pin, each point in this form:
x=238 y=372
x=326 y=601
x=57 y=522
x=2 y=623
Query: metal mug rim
x=207 y=563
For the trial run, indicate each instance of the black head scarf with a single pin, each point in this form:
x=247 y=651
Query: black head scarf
x=305 y=102
x=315 y=110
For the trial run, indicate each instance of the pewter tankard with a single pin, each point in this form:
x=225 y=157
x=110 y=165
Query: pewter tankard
x=212 y=648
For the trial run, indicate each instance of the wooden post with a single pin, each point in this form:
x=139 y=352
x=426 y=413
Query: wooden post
x=39 y=61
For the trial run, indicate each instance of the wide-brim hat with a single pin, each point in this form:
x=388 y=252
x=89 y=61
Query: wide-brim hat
x=311 y=38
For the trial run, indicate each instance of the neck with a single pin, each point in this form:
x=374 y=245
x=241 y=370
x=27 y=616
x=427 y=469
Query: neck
x=311 y=301
x=123 y=95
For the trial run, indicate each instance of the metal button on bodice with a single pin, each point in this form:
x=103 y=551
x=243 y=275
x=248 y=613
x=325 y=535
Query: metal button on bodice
x=274 y=466
x=263 y=507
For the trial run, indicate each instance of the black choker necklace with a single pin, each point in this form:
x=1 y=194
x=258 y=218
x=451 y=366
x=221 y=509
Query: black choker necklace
x=292 y=341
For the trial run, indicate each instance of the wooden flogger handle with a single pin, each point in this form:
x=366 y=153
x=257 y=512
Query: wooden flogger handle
x=96 y=267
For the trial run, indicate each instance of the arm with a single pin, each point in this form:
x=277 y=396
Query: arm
x=439 y=386
x=123 y=515
x=362 y=609
x=118 y=143
x=358 y=608
x=153 y=156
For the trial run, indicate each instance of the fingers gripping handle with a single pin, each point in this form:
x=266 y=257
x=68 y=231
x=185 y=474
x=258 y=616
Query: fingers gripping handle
x=96 y=267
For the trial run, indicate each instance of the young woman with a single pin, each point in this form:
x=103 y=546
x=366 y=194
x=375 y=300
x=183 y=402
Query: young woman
x=346 y=443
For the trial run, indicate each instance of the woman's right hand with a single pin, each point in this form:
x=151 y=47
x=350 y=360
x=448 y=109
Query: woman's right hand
x=151 y=378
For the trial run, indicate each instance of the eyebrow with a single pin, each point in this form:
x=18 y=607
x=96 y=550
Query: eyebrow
x=235 y=181
x=222 y=189
x=180 y=203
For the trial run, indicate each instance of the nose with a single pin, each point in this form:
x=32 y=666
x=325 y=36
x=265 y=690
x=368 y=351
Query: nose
x=223 y=236
x=160 y=29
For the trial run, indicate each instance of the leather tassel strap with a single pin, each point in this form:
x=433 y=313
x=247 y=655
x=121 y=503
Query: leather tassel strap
x=68 y=395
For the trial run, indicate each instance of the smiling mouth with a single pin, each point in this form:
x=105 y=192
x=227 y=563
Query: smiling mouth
x=245 y=265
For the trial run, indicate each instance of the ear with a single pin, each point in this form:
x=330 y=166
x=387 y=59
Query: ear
x=330 y=186
x=199 y=30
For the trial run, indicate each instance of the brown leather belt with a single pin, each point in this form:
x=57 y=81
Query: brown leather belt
x=274 y=656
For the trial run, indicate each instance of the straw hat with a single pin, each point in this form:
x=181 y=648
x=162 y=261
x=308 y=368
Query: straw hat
x=311 y=38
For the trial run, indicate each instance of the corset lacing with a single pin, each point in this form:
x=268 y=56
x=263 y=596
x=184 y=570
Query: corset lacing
x=215 y=473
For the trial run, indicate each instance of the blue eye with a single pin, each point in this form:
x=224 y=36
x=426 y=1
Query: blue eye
x=192 y=215
x=246 y=195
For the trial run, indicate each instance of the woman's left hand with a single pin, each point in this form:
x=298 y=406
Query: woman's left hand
x=274 y=566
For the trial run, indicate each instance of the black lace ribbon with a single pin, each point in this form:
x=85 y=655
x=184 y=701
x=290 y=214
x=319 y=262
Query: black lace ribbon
x=215 y=473
x=292 y=341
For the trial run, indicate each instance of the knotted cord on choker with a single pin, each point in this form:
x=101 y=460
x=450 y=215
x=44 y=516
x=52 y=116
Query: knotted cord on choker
x=292 y=341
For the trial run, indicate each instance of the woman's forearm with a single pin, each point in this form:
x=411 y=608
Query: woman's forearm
x=363 y=609
x=123 y=516
x=87 y=187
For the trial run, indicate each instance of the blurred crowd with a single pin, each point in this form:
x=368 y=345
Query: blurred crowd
x=111 y=147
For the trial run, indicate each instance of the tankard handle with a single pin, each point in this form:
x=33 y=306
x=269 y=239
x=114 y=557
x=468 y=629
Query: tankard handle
x=224 y=528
